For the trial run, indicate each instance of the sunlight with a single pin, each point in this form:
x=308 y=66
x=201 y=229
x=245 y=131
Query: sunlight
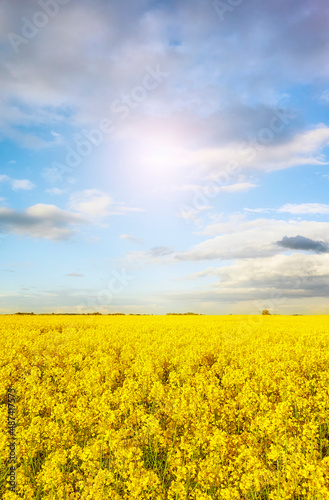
x=161 y=154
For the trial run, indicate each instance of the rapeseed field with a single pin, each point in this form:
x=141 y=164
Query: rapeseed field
x=166 y=407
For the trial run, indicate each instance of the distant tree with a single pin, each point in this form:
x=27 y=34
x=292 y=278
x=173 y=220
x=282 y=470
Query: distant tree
x=266 y=313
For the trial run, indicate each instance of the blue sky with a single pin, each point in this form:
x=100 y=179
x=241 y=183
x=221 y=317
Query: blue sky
x=161 y=156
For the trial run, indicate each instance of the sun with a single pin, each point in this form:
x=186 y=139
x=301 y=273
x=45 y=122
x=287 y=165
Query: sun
x=161 y=154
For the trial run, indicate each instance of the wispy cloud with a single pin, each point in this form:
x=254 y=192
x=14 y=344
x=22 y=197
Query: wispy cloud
x=156 y=255
x=305 y=208
x=296 y=209
x=131 y=239
x=160 y=251
x=95 y=203
x=231 y=188
x=56 y=191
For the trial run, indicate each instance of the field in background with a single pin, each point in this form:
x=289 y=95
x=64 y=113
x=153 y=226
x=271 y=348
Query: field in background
x=205 y=407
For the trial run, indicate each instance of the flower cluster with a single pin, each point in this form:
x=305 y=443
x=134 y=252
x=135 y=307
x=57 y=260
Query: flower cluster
x=166 y=408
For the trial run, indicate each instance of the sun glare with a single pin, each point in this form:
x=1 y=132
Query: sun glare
x=161 y=154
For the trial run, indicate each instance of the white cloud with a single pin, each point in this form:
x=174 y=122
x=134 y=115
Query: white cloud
x=50 y=222
x=22 y=184
x=223 y=163
x=303 y=149
x=267 y=270
x=238 y=187
x=95 y=203
x=41 y=221
x=91 y=202
x=17 y=184
x=261 y=210
x=56 y=191
x=157 y=255
x=132 y=239
x=280 y=283
x=250 y=239
x=291 y=208
x=231 y=188
x=188 y=212
x=305 y=208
